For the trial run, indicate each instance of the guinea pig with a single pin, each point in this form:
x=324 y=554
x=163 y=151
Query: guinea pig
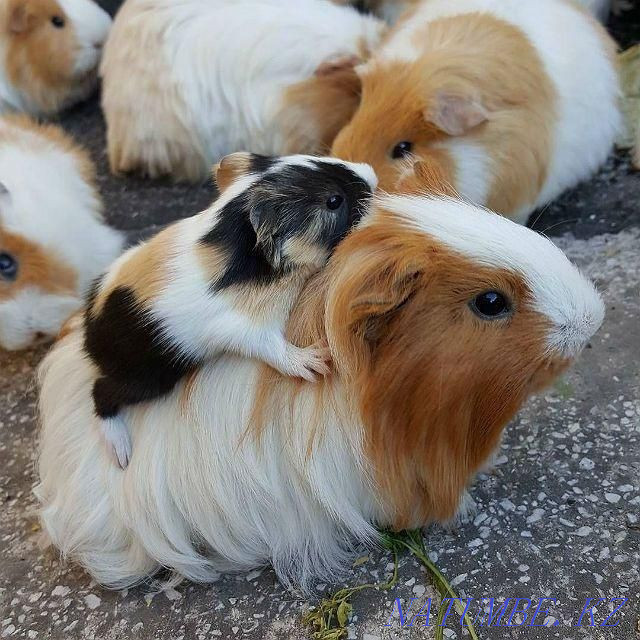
x=53 y=240
x=49 y=53
x=223 y=280
x=516 y=100
x=185 y=83
x=441 y=319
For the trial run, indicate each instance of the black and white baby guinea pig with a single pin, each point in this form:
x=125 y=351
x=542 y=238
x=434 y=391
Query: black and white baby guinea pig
x=224 y=280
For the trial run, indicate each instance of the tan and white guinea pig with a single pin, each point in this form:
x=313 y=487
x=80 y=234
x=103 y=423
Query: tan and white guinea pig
x=517 y=100
x=53 y=241
x=441 y=319
x=49 y=53
x=185 y=83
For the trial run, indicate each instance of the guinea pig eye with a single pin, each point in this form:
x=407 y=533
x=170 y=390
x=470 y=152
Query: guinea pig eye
x=57 y=22
x=490 y=305
x=334 y=202
x=402 y=149
x=8 y=267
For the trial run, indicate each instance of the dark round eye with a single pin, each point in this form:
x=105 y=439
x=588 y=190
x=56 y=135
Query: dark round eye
x=8 y=266
x=402 y=149
x=490 y=304
x=334 y=202
x=57 y=22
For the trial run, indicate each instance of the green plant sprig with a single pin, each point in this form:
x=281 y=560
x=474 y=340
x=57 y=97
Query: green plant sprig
x=331 y=616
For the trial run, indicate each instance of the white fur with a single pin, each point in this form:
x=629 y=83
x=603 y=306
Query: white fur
x=573 y=53
x=50 y=204
x=221 y=67
x=90 y=24
x=473 y=168
x=198 y=497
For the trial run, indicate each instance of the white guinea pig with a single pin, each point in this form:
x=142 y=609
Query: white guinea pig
x=516 y=100
x=49 y=53
x=185 y=83
x=53 y=241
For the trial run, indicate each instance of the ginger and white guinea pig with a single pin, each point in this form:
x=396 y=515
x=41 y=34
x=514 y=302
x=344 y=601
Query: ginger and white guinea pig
x=517 y=100
x=185 y=83
x=49 y=53
x=53 y=241
x=441 y=319
x=223 y=280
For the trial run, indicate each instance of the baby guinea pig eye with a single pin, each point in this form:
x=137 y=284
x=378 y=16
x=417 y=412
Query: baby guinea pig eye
x=490 y=305
x=58 y=22
x=401 y=150
x=8 y=266
x=334 y=202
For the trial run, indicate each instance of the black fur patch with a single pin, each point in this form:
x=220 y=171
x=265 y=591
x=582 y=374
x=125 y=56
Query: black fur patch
x=234 y=235
x=136 y=363
x=286 y=202
x=261 y=164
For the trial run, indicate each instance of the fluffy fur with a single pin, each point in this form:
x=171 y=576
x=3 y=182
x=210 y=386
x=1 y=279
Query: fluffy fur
x=188 y=82
x=518 y=99
x=242 y=466
x=49 y=53
x=223 y=280
x=52 y=236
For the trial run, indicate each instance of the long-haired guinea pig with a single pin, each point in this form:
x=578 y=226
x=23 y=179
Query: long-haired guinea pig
x=49 y=53
x=223 y=280
x=53 y=241
x=441 y=319
x=185 y=83
x=517 y=100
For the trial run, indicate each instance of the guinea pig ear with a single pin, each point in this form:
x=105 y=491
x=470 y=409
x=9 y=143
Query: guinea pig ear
x=372 y=307
x=232 y=167
x=260 y=215
x=456 y=114
x=21 y=17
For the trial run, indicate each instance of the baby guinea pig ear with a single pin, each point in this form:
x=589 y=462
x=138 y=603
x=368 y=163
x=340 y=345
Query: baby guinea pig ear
x=455 y=113
x=237 y=165
x=263 y=217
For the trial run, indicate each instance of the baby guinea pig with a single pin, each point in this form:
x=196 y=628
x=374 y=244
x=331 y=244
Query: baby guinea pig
x=49 y=53
x=223 y=280
x=515 y=100
x=53 y=239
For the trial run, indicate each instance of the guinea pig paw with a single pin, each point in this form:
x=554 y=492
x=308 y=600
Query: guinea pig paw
x=307 y=362
x=318 y=359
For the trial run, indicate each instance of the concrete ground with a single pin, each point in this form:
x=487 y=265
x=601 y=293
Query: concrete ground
x=558 y=516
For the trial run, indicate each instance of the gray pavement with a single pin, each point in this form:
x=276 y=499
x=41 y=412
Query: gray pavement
x=557 y=517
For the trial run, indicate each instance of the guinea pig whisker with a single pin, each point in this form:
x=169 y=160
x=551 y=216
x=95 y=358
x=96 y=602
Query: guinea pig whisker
x=540 y=214
x=557 y=224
